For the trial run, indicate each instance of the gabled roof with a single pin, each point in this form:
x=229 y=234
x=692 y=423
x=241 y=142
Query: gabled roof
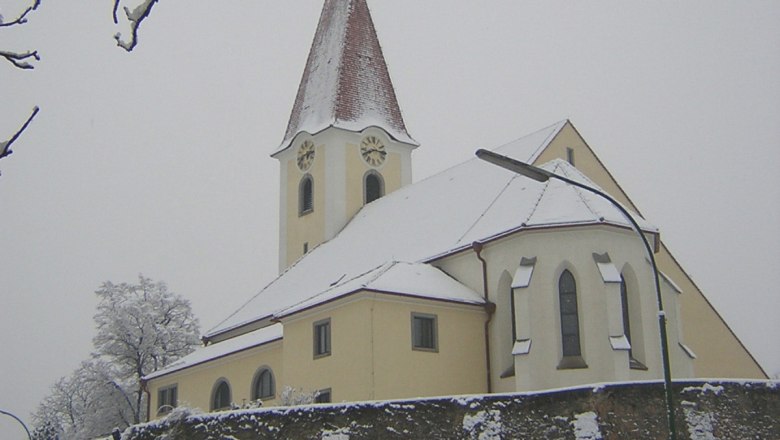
x=443 y=214
x=345 y=83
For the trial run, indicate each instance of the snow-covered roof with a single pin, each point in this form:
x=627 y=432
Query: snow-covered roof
x=346 y=83
x=246 y=341
x=443 y=214
x=407 y=279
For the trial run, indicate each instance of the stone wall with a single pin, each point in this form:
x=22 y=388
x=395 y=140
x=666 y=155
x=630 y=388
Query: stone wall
x=705 y=410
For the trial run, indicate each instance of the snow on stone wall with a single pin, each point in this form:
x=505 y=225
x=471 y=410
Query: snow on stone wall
x=705 y=410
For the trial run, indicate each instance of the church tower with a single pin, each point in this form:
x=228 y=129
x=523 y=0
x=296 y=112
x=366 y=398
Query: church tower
x=346 y=142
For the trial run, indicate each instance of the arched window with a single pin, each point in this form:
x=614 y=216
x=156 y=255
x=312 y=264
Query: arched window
x=635 y=351
x=570 y=322
x=306 y=195
x=626 y=314
x=373 y=186
x=221 y=396
x=263 y=386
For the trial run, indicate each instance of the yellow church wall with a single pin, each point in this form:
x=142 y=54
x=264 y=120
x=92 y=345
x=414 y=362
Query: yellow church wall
x=719 y=352
x=457 y=367
x=195 y=384
x=372 y=356
x=346 y=371
x=306 y=228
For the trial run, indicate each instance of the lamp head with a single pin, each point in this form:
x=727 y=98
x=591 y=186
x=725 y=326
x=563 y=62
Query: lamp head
x=516 y=166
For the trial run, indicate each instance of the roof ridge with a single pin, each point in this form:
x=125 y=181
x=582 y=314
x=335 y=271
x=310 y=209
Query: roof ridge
x=543 y=144
x=537 y=203
x=381 y=270
x=490 y=205
x=580 y=192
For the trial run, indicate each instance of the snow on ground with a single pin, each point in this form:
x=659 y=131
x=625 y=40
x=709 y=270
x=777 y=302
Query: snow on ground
x=586 y=426
x=699 y=423
x=484 y=425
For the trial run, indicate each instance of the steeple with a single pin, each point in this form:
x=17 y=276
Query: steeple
x=345 y=83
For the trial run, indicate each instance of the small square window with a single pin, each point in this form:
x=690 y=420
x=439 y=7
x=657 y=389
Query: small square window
x=424 y=332
x=322 y=338
x=166 y=399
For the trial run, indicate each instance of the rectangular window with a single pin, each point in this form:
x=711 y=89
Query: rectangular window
x=323 y=396
x=570 y=155
x=424 y=334
x=166 y=399
x=322 y=338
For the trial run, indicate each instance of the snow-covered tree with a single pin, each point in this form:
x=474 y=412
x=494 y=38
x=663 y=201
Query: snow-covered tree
x=87 y=404
x=141 y=328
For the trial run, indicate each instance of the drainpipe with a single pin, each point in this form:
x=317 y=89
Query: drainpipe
x=490 y=308
x=145 y=389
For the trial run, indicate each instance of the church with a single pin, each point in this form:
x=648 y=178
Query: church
x=474 y=280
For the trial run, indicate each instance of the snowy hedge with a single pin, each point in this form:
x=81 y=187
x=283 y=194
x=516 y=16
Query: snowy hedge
x=705 y=410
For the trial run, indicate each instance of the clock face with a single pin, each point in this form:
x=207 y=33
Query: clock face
x=305 y=155
x=373 y=151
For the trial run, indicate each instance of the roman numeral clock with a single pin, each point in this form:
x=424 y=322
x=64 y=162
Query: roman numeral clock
x=305 y=155
x=373 y=151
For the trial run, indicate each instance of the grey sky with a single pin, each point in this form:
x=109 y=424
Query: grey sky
x=157 y=161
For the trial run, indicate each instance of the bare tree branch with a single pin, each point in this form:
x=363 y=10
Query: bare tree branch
x=22 y=18
x=135 y=17
x=20 y=59
x=5 y=147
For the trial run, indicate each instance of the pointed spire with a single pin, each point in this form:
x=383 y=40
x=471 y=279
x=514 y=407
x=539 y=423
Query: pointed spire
x=345 y=83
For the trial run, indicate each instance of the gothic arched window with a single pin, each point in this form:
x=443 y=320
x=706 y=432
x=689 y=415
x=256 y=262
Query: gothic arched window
x=306 y=195
x=373 y=186
x=570 y=322
x=626 y=314
x=630 y=307
x=221 y=396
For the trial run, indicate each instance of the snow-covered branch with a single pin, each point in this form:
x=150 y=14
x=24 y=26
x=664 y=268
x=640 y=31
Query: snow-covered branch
x=5 y=147
x=135 y=13
x=21 y=60
x=22 y=18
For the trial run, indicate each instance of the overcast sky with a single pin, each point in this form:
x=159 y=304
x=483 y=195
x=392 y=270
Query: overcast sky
x=156 y=162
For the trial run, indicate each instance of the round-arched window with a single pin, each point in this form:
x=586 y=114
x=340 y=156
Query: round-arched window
x=263 y=386
x=221 y=396
x=374 y=186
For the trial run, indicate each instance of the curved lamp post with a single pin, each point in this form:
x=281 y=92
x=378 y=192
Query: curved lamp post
x=542 y=175
x=18 y=420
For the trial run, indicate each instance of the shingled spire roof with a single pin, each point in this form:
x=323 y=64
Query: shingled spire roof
x=346 y=83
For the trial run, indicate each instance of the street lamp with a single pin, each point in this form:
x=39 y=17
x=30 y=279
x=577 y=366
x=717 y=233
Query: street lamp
x=18 y=420
x=543 y=175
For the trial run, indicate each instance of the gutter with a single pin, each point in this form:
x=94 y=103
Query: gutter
x=490 y=309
